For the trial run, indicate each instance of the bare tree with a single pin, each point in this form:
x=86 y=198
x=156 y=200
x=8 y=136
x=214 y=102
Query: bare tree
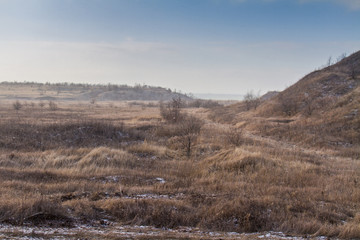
x=341 y=57
x=17 y=105
x=288 y=104
x=353 y=71
x=251 y=100
x=189 y=130
x=41 y=104
x=52 y=106
x=171 y=111
x=309 y=105
x=329 y=62
x=234 y=136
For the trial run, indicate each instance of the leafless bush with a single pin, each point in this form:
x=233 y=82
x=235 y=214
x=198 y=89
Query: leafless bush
x=53 y=106
x=353 y=72
x=187 y=132
x=251 y=100
x=41 y=104
x=309 y=105
x=17 y=105
x=288 y=105
x=234 y=136
x=171 y=111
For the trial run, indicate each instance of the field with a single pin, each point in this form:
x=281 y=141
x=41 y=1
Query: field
x=106 y=165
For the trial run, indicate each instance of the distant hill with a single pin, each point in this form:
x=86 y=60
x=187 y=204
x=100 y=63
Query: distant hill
x=84 y=92
x=269 y=95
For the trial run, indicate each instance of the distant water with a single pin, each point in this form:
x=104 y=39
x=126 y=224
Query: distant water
x=215 y=96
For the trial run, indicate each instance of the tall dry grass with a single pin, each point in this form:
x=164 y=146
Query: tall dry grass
x=88 y=171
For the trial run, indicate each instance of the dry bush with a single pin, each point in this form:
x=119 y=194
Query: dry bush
x=187 y=132
x=234 y=137
x=288 y=104
x=251 y=100
x=17 y=105
x=53 y=106
x=171 y=111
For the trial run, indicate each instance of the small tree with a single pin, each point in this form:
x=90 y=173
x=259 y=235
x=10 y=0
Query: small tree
x=41 y=104
x=251 y=100
x=52 y=106
x=341 y=57
x=17 y=105
x=309 y=105
x=353 y=71
x=234 y=136
x=171 y=111
x=329 y=62
x=189 y=129
x=288 y=105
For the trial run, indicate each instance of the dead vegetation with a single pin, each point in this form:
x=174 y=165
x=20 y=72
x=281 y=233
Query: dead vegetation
x=142 y=172
x=296 y=171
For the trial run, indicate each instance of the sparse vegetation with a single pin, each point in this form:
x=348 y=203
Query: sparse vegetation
x=264 y=169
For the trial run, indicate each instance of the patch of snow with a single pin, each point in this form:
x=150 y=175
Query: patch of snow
x=160 y=180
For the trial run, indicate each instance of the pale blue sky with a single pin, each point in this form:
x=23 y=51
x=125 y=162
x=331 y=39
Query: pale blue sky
x=199 y=46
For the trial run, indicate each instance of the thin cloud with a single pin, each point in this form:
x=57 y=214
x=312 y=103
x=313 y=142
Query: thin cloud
x=350 y=4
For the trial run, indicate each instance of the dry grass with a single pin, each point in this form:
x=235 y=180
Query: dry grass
x=128 y=171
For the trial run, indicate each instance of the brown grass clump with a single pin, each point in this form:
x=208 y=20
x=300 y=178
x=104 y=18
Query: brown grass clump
x=103 y=157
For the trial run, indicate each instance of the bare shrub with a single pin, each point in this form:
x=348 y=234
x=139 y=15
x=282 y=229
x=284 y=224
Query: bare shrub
x=53 y=106
x=187 y=132
x=183 y=135
x=309 y=104
x=234 y=136
x=288 y=104
x=171 y=111
x=251 y=100
x=41 y=104
x=17 y=105
x=353 y=72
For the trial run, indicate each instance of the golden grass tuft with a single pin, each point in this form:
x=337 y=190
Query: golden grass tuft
x=103 y=157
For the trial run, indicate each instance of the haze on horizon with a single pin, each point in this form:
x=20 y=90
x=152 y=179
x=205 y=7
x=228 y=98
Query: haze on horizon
x=198 y=46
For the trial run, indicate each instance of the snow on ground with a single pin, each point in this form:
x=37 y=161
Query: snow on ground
x=130 y=232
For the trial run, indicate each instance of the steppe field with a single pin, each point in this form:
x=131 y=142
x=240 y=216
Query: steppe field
x=173 y=170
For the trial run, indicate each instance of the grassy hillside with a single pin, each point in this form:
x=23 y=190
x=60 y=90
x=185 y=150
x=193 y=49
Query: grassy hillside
x=321 y=109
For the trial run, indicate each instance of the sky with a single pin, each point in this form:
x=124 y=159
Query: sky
x=191 y=46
